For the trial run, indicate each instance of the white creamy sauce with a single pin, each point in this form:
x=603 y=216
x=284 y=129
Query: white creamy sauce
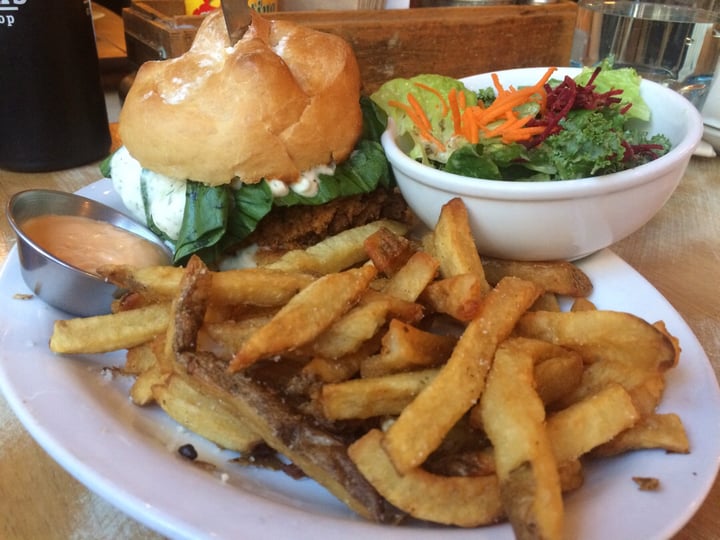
x=166 y=195
x=126 y=172
x=278 y=188
x=167 y=202
x=309 y=181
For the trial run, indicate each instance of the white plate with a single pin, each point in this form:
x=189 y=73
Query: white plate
x=712 y=136
x=127 y=454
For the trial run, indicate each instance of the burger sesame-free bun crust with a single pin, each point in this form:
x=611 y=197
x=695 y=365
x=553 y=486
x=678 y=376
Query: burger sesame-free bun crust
x=284 y=99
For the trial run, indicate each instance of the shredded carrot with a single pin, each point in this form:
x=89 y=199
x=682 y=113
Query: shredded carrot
x=499 y=89
x=407 y=110
x=462 y=101
x=418 y=117
x=419 y=111
x=437 y=93
x=455 y=110
x=469 y=127
x=470 y=121
x=521 y=134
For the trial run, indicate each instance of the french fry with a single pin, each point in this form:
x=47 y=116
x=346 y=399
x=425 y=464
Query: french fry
x=141 y=391
x=539 y=351
x=257 y=286
x=184 y=402
x=602 y=335
x=321 y=370
x=187 y=311
x=556 y=377
x=582 y=304
x=427 y=419
x=306 y=316
x=560 y=277
x=645 y=386
x=252 y=286
x=158 y=283
x=546 y=302
x=361 y=323
x=463 y=501
x=138 y=359
x=572 y=475
x=335 y=253
x=453 y=243
x=576 y=430
x=404 y=348
x=224 y=338
x=410 y=280
x=663 y=431
x=388 y=251
x=459 y=296
x=105 y=333
x=514 y=419
x=375 y=396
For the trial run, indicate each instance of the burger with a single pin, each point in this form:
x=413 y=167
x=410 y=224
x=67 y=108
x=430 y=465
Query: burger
x=266 y=142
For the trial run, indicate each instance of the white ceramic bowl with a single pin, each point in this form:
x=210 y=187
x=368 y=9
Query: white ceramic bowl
x=564 y=219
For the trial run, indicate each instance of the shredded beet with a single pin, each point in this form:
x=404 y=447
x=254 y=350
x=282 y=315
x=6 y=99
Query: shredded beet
x=634 y=151
x=568 y=96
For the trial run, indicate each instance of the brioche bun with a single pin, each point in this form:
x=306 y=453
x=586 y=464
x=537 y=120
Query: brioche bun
x=282 y=100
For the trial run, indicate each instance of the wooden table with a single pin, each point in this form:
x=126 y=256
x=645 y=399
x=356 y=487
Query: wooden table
x=678 y=252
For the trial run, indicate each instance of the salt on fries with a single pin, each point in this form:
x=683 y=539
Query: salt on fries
x=410 y=378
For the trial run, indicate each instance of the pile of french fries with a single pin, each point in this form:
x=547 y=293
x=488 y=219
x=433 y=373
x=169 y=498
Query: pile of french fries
x=410 y=377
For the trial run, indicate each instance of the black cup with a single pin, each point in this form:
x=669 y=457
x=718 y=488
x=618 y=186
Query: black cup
x=52 y=105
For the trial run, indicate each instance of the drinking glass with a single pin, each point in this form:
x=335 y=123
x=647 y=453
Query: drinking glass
x=675 y=43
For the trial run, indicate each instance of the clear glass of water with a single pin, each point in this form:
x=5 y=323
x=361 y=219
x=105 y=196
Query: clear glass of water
x=673 y=42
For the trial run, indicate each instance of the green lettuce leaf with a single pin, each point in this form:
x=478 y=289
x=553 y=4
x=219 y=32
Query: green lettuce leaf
x=398 y=90
x=625 y=79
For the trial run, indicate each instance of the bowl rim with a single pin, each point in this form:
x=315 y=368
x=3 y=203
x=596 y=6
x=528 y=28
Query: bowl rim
x=562 y=189
x=120 y=220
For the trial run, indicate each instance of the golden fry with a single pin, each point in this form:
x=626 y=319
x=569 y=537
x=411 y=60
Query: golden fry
x=556 y=377
x=589 y=423
x=361 y=323
x=404 y=348
x=306 y=316
x=422 y=425
x=602 y=335
x=560 y=277
x=410 y=280
x=514 y=419
x=252 y=286
x=104 y=333
x=375 y=396
x=459 y=296
x=388 y=251
x=335 y=253
x=463 y=501
x=183 y=400
x=453 y=243
x=664 y=431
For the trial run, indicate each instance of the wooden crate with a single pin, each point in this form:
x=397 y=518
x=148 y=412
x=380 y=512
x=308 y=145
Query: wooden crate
x=454 y=41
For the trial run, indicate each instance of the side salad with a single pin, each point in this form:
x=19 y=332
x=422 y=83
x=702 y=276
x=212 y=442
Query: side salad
x=552 y=129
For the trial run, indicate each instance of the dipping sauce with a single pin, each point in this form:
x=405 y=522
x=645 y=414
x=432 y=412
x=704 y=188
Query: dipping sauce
x=88 y=243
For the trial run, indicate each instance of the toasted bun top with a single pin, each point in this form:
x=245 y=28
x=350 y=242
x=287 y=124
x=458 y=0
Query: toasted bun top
x=284 y=99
